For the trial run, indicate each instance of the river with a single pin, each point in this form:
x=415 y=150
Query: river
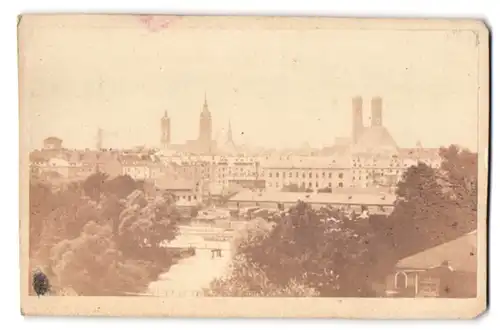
x=193 y=274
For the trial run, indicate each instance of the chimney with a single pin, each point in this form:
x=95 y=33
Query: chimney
x=357 y=118
x=376 y=111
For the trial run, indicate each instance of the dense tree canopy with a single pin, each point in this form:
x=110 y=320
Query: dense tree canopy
x=148 y=223
x=306 y=252
x=91 y=264
x=248 y=279
x=435 y=205
x=332 y=253
x=122 y=186
x=93 y=186
x=86 y=236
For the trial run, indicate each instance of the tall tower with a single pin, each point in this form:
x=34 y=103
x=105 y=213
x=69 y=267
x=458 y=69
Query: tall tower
x=205 y=135
x=376 y=111
x=357 y=118
x=99 y=139
x=165 y=130
x=229 y=133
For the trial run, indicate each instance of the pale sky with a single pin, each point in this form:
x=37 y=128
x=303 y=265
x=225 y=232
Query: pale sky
x=280 y=88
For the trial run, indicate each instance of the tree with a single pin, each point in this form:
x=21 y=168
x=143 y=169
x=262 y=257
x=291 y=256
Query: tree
x=247 y=279
x=41 y=204
x=93 y=186
x=121 y=186
x=318 y=251
x=87 y=237
x=91 y=264
x=435 y=206
x=340 y=255
x=111 y=208
x=145 y=222
x=459 y=176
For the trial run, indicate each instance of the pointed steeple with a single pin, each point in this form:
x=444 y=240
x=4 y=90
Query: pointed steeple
x=205 y=111
x=165 y=115
x=205 y=133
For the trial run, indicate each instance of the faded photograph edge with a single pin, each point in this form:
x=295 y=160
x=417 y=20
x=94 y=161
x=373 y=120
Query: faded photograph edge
x=36 y=287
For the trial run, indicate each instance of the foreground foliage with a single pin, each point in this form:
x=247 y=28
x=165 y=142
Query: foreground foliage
x=90 y=239
x=328 y=252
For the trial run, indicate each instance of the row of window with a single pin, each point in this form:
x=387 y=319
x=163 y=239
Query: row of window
x=189 y=197
x=290 y=175
x=304 y=185
x=235 y=175
x=380 y=171
x=236 y=167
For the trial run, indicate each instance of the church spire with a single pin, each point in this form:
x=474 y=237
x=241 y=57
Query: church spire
x=205 y=104
x=205 y=134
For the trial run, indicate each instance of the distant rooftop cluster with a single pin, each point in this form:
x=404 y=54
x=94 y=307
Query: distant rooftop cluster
x=372 y=139
x=369 y=162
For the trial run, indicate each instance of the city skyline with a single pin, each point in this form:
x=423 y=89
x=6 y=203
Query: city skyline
x=221 y=126
x=253 y=157
x=86 y=81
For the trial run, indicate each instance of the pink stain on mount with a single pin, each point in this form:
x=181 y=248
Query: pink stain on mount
x=157 y=23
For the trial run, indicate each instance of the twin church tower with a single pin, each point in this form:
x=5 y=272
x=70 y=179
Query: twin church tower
x=358 y=128
x=365 y=137
x=204 y=144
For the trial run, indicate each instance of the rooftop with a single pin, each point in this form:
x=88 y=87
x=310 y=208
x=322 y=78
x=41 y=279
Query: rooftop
x=316 y=162
x=460 y=253
x=375 y=138
x=174 y=183
x=316 y=198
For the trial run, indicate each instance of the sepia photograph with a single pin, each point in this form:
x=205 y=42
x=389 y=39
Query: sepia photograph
x=196 y=166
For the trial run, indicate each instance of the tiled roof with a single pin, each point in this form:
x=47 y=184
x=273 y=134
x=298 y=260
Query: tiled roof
x=136 y=160
x=39 y=156
x=75 y=156
x=312 y=163
x=315 y=198
x=174 y=183
x=422 y=153
x=460 y=253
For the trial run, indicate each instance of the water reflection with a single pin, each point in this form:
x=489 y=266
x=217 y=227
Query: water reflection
x=190 y=276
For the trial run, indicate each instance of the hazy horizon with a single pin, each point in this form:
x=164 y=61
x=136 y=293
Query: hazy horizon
x=280 y=88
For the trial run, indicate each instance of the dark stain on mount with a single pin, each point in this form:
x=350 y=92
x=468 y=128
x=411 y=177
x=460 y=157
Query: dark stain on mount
x=40 y=283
